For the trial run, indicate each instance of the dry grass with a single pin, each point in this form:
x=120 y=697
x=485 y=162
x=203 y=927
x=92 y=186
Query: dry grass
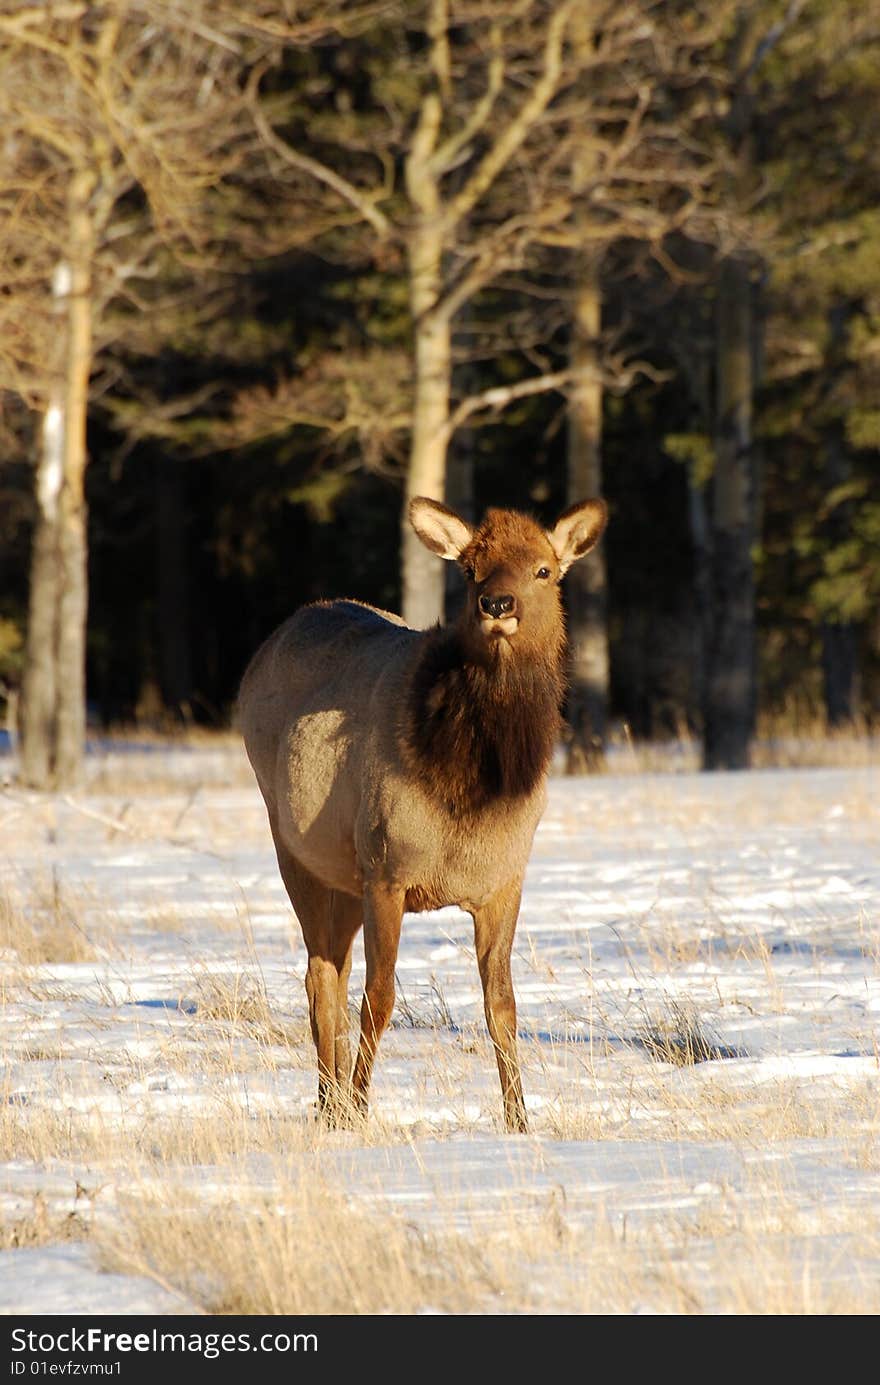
x=129 y=764
x=753 y=1117
x=795 y=738
x=45 y=923
x=730 y=1255
x=679 y=1036
x=306 y=1249
x=37 y=1134
x=239 y=1000
x=207 y=1205
x=41 y=1226
x=309 y=1249
x=798 y=736
x=229 y=1129
x=225 y=1179
x=121 y=737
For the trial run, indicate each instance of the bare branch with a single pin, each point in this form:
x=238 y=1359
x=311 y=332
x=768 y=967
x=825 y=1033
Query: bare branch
x=616 y=374
x=501 y=249
x=421 y=182
x=498 y=398
x=438 y=34
x=39 y=14
x=513 y=135
x=444 y=157
x=346 y=190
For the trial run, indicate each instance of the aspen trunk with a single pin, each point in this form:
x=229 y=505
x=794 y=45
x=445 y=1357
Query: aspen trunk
x=53 y=692
x=73 y=537
x=422 y=575
x=37 y=709
x=460 y=497
x=730 y=674
x=586 y=583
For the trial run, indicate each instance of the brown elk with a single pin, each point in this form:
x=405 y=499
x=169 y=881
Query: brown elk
x=406 y=770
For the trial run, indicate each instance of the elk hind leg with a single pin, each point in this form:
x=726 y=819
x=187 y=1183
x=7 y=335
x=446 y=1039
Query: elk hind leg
x=346 y=915
x=312 y=901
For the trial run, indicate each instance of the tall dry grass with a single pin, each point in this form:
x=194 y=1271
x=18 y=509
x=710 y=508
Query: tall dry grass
x=793 y=737
x=308 y=1248
x=305 y=1249
x=43 y=921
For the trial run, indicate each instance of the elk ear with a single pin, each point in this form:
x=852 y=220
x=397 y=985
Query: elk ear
x=439 y=529
x=578 y=529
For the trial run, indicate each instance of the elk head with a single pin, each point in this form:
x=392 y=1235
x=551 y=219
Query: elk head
x=513 y=568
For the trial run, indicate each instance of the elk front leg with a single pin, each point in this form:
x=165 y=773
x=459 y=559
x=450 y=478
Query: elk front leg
x=494 y=927
x=383 y=914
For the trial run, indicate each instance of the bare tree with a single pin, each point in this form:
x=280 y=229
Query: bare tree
x=482 y=80
x=639 y=174
x=730 y=692
x=460 y=149
x=517 y=129
x=122 y=125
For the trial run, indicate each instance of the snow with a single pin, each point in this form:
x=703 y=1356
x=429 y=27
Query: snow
x=746 y=901
x=65 y=1280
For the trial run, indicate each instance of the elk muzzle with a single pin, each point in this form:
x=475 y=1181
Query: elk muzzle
x=498 y=613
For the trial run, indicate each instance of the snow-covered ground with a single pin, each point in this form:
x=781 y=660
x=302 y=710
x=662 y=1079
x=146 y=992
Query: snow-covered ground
x=157 y=1056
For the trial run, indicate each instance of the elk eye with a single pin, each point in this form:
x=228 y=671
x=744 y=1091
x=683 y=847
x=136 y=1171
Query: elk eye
x=543 y=573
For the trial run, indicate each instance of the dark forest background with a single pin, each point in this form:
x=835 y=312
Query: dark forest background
x=672 y=286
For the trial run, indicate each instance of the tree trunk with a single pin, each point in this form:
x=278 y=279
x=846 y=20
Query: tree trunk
x=53 y=690
x=175 y=658
x=422 y=574
x=37 y=709
x=586 y=584
x=460 y=498
x=730 y=675
x=701 y=543
x=839 y=638
x=840 y=673
x=73 y=535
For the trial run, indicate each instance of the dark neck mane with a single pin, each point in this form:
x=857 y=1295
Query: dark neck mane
x=481 y=732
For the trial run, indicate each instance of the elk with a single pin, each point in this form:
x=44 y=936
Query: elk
x=404 y=770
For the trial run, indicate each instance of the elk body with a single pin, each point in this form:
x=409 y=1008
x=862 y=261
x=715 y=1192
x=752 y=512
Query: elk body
x=405 y=770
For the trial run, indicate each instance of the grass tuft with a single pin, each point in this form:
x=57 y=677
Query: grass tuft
x=41 y=1226
x=679 y=1036
x=240 y=999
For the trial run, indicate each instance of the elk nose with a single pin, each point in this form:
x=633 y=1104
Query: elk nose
x=497 y=606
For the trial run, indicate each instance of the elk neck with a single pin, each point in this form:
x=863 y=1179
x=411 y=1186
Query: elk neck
x=479 y=730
